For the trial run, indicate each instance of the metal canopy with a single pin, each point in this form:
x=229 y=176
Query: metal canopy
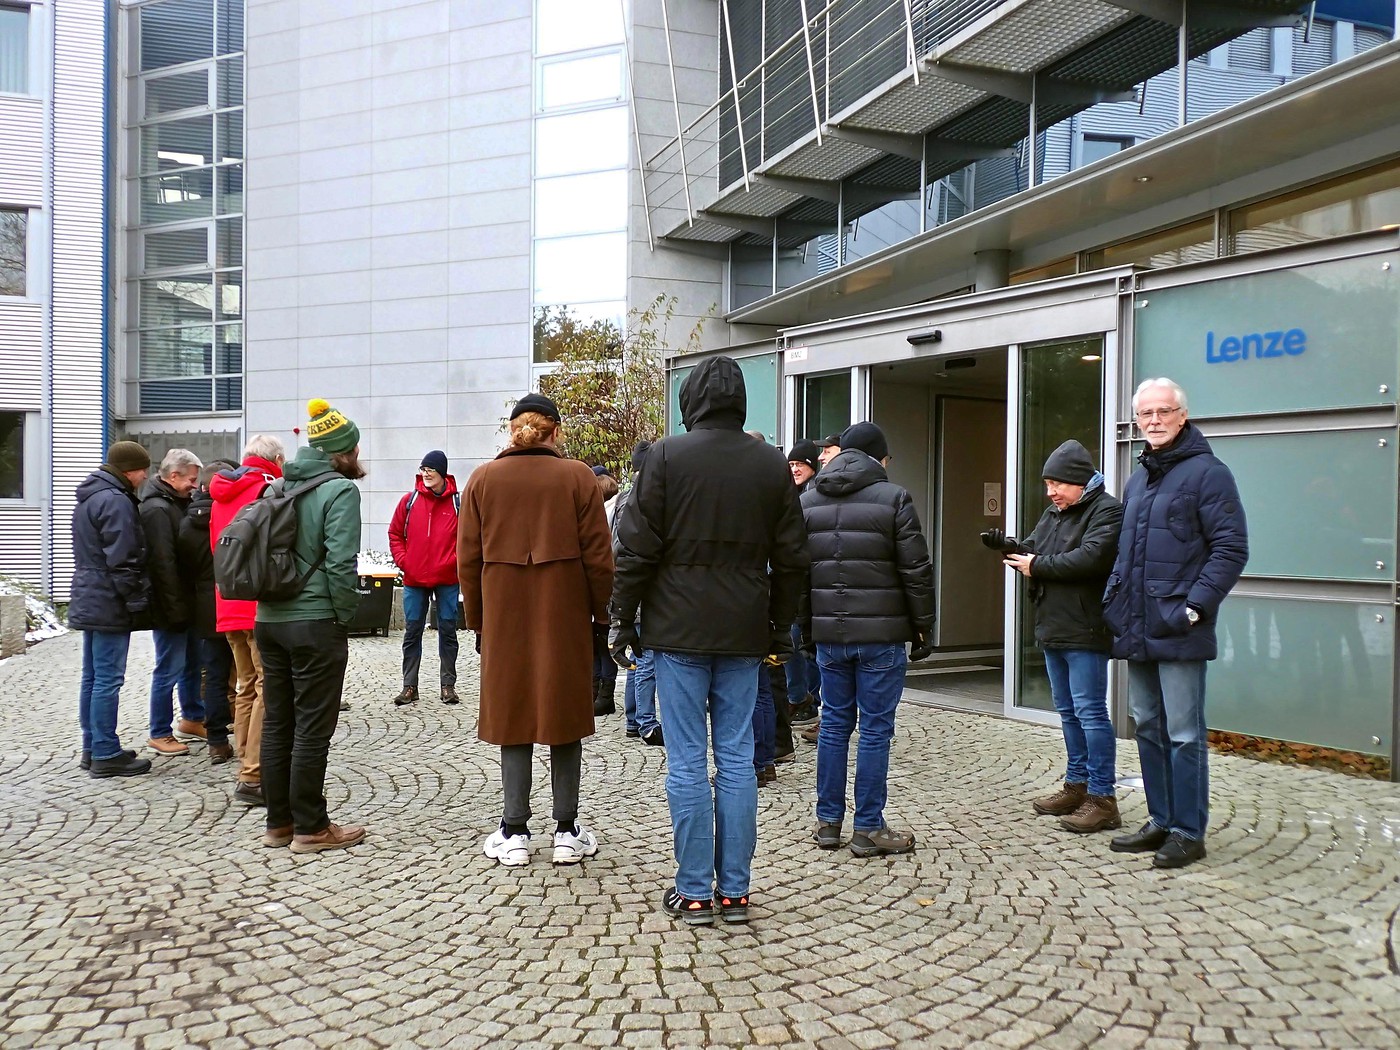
x=968 y=94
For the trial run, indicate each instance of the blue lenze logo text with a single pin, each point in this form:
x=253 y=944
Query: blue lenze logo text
x=1257 y=345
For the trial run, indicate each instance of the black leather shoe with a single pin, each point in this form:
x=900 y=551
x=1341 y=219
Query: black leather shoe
x=1145 y=839
x=124 y=765
x=85 y=761
x=1179 y=851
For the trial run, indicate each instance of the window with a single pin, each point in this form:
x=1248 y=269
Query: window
x=575 y=25
x=1097 y=147
x=1352 y=204
x=14 y=49
x=1193 y=242
x=11 y=455
x=13 y=257
x=581 y=81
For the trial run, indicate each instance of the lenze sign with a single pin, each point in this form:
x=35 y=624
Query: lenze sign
x=1256 y=346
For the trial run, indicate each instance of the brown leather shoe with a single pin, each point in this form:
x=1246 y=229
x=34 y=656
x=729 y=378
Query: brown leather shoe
x=1097 y=813
x=408 y=696
x=767 y=775
x=449 y=695
x=1069 y=798
x=811 y=733
x=333 y=837
x=189 y=727
x=275 y=838
x=220 y=753
x=882 y=842
x=167 y=745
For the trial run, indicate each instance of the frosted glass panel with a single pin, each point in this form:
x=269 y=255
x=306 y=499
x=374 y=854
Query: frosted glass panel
x=580 y=81
x=581 y=269
x=1311 y=337
x=581 y=204
x=1309 y=671
x=1319 y=505
x=578 y=142
x=760 y=390
x=576 y=25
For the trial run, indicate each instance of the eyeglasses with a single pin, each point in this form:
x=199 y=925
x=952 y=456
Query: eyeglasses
x=426 y=470
x=1156 y=413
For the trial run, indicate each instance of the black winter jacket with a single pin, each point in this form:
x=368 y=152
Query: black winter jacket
x=710 y=543
x=1075 y=548
x=196 y=558
x=871 y=577
x=161 y=513
x=1184 y=542
x=110 y=591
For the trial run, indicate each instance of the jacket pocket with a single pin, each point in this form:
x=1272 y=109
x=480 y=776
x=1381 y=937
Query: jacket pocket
x=1115 y=606
x=1166 y=608
x=1183 y=519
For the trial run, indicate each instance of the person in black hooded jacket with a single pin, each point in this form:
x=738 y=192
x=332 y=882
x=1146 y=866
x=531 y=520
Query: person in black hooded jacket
x=1073 y=547
x=871 y=592
x=710 y=550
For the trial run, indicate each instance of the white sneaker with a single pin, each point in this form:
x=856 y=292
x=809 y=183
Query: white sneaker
x=570 y=849
x=510 y=850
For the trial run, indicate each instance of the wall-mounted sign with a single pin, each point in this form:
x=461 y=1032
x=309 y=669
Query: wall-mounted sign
x=1256 y=346
x=991 y=499
x=794 y=354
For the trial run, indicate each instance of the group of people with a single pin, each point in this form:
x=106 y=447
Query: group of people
x=721 y=572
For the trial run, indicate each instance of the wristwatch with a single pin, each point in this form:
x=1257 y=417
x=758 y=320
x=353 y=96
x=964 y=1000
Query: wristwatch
x=1193 y=616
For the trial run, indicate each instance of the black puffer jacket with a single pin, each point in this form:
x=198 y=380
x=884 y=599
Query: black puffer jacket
x=1075 y=548
x=196 y=558
x=871 y=577
x=161 y=513
x=710 y=543
x=110 y=591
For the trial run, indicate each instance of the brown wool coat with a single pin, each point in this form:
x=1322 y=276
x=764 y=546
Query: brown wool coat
x=534 y=556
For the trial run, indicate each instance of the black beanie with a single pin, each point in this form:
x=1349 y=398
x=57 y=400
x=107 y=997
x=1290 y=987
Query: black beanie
x=639 y=455
x=536 y=403
x=1069 y=463
x=436 y=460
x=867 y=437
x=805 y=452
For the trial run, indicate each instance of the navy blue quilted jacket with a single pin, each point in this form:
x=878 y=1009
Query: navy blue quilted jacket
x=1184 y=542
x=110 y=590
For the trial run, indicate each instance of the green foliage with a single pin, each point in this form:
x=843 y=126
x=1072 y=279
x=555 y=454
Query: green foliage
x=610 y=386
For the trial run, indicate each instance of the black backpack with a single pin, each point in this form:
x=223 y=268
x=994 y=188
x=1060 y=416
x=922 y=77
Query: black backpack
x=255 y=559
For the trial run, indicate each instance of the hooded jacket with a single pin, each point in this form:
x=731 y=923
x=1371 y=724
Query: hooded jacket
x=1074 y=552
x=110 y=590
x=871 y=577
x=162 y=510
x=1184 y=543
x=328 y=522
x=710 y=544
x=231 y=490
x=424 y=541
x=197 y=564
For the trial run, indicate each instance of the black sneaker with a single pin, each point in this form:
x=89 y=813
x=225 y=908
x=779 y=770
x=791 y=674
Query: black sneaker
x=804 y=715
x=633 y=733
x=692 y=913
x=252 y=794
x=85 y=760
x=124 y=765
x=653 y=736
x=1179 y=851
x=734 y=909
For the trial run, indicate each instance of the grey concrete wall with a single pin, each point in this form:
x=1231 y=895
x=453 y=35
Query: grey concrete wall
x=388 y=226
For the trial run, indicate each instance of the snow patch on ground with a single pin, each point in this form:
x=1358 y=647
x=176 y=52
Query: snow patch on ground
x=41 y=619
x=377 y=563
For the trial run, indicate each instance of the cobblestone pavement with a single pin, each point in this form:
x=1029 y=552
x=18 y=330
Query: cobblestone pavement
x=143 y=913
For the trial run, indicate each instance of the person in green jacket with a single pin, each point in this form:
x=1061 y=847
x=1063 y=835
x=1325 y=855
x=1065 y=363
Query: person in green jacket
x=303 y=639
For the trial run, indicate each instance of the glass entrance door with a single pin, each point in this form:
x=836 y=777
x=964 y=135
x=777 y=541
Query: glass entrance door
x=1060 y=397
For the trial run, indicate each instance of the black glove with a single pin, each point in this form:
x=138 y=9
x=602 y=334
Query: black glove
x=809 y=647
x=995 y=539
x=779 y=646
x=920 y=649
x=624 y=645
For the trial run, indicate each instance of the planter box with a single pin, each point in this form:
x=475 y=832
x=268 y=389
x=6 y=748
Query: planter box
x=12 y=625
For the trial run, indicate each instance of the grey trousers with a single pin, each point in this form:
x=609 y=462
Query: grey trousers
x=517 y=773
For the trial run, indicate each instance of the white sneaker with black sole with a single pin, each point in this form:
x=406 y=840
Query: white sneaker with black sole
x=513 y=851
x=570 y=849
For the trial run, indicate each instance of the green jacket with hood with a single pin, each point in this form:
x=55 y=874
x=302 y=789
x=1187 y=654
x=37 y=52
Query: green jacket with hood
x=328 y=520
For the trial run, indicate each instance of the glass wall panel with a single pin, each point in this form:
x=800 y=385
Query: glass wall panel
x=1193 y=242
x=181 y=91
x=176 y=352
x=229 y=302
x=1061 y=399
x=228 y=394
x=230 y=26
x=675 y=381
x=167 y=249
x=760 y=390
x=558 y=328
x=576 y=25
x=1318 y=672
x=14 y=251
x=228 y=350
x=177 y=144
x=1341 y=484
x=172 y=301
x=1364 y=201
x=591 y=141
x=231 y=135
x=176 y=31
x=176 y=395
x=581 y=204
x=231 y=82
x=177 y=196
x=14 y=50
x=581 y=269
x=826 y=405
x=230 y=182
x=581 y=81
x=1321 y=336
x=12 y=455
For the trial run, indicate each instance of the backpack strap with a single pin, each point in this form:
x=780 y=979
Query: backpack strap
x=413 y=498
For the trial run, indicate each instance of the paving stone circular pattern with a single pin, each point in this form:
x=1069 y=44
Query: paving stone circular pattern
x=144 y=912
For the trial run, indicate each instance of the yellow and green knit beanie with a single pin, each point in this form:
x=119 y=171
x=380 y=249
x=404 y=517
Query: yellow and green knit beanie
x=330 y=430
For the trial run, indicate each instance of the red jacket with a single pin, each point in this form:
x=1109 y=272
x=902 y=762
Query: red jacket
x=231 y=489
x=424 y=541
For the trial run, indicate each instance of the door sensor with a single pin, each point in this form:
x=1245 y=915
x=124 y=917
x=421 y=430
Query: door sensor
x=931 y=335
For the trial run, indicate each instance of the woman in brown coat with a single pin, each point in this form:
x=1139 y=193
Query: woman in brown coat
x=535 y=559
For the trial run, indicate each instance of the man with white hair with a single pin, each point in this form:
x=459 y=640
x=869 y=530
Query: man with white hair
x=164 y=501
x=1183 y=546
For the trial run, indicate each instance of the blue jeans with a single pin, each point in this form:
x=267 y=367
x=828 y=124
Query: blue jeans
x=864 y=680
x=714 y=833
x=803 y=677
x=639 y=694
x=765 y=723
x=104 y=671
x=1079 y=685
x=415 y=616
x=1168 y=701
x=177 y=669
x=215 y=661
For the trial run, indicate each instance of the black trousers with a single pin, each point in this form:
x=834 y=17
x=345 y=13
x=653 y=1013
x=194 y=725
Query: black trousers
x=782 y=741
x=215 y=660
x=303 y=676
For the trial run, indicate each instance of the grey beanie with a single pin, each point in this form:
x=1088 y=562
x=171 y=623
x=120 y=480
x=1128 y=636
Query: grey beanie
x=1069 y=463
